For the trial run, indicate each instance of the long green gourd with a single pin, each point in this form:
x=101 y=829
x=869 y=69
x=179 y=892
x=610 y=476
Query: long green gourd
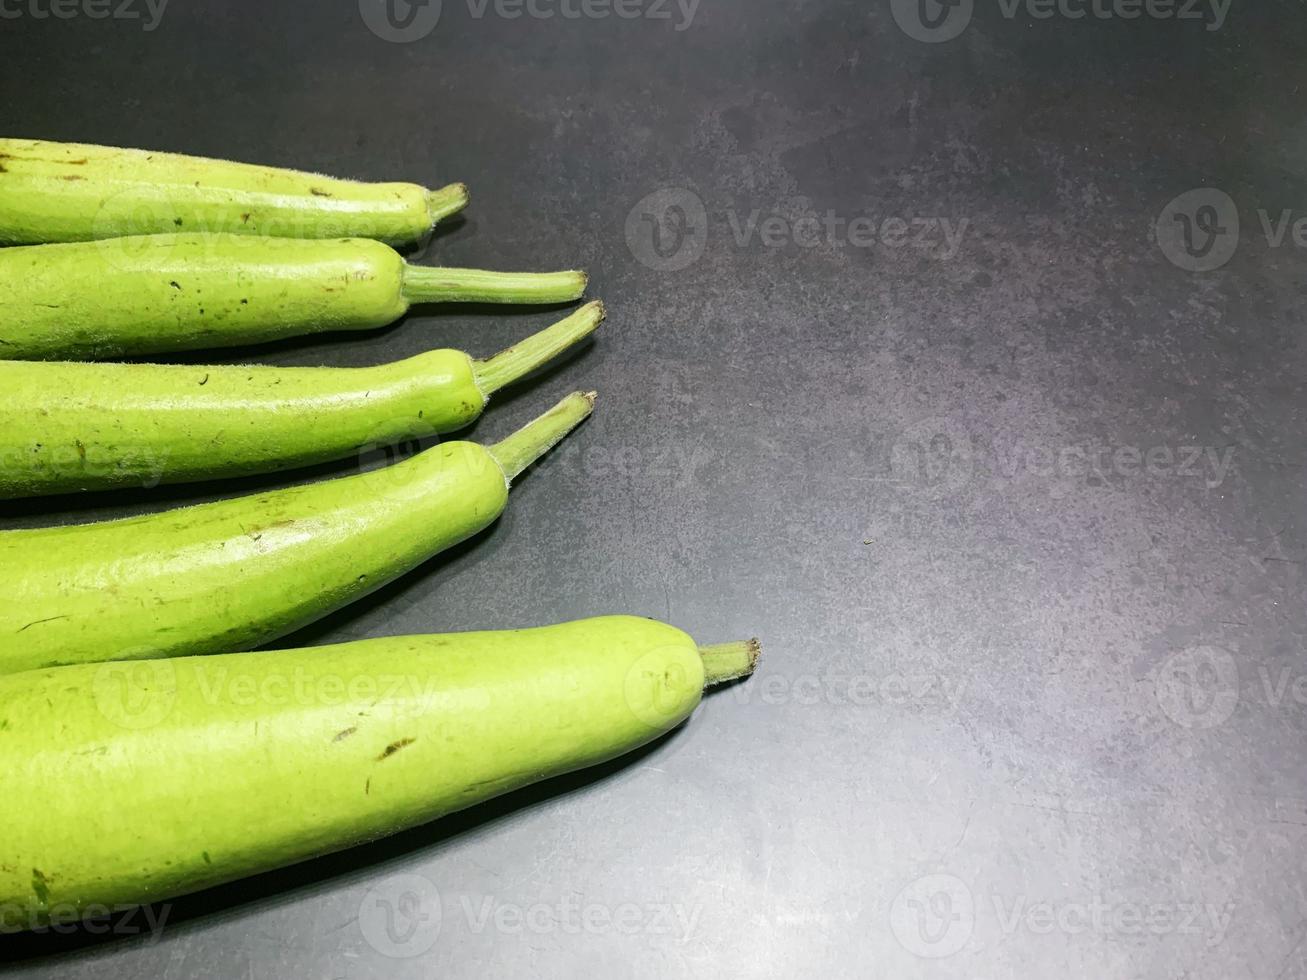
x=76 y=192
x=68 y=426
x=134 y=783
x=238 y=573
x=160 y=293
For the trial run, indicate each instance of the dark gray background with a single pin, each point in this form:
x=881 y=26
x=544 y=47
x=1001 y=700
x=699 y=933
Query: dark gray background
x=1017 y=716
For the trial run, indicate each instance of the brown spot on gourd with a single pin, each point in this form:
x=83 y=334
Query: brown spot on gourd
x=174 y=284
x=341 y=736
x=177 y=222
x=245 y=218
x=204 y=381
x=394 y=747
x=318 y=192
x=41 y=887
x=72 y=177
x=40 y=622
x=256 y=532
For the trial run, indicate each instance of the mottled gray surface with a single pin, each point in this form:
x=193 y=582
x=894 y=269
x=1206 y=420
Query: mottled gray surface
x=1035 y=695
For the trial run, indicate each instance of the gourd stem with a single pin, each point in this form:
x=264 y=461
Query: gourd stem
x=522 y=358
x=435 y=284
x=729 y=661
x=534 y=439
x=446 y=201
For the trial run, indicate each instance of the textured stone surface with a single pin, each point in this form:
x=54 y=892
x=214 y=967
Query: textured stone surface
x=1014 y=498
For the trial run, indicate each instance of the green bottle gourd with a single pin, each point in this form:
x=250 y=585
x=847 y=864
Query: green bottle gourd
x=68 y=426
x=162 y=293
x=176 y=775
x=238 y=573
x=77 y=192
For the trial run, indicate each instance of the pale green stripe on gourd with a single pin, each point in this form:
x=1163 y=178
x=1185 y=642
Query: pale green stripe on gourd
x=75 y=192
x=67 y=426
x=163 y=293
x=140 y=782
x=239 y=573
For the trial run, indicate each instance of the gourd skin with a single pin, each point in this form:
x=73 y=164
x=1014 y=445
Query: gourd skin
x=145 y=781
x=238 y=573
x=165 y=293
x=76 y=192
x=117 y=425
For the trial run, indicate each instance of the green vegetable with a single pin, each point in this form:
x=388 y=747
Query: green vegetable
x=67 y=426
x=133 y=783
x=73 y=192
x=238 y=573
x=161 y=293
